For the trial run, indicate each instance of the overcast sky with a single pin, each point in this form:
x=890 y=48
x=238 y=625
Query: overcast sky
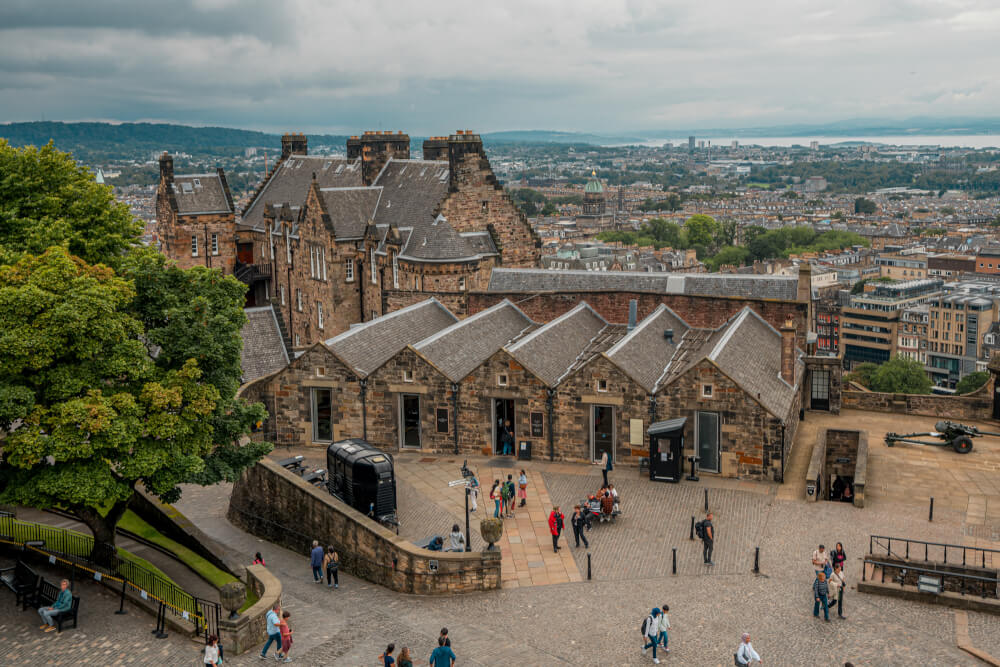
x=438 y=65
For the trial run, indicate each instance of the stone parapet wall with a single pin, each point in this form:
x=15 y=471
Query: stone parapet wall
x=274 y=504
x=250 y=629
x=977 y=406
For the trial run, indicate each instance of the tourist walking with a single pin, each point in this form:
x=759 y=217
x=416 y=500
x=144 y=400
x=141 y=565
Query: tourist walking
x=508 y=497
x=258 y=559
x=745 y=654
x=838 y=556
x=473 y=484
x=820 y=559
x=404 y=658
x=442 y=656
x=457 y=539
x=272 y=621
x=522 y=488
x=507 y=439
x=212 y=656
x=64 y=601
x=286 y=636
x=663 y=638
x=444 y=635
x=386 y=658
x=821 y=591
x=496 y=498
x=556 y=526
x=316 y=561
x=606 y=466
x=651 y=630
x=579 y=522
x=331 y=563
x=838 y=586
x=707 y=539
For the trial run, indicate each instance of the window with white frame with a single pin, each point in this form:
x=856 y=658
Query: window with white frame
x=602 y=385
x=298 y=300
x=194 y=246
x=215 y=244
x=312 y=262
x=297 y=343
x=349 y=269
x=288 y=248
x=372 y=262
x=502 y=380
x=322 y=262
x=407 y=376
x=319 y=315
x=707 y=391
x=395 y=271
x=281 y=289
x=270 y=240
x=461 y=284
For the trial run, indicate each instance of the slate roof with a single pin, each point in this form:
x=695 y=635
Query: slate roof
x=462 y=347
x=365 y=347
x=290 y=183
x=263 y=349
x=699 y=284
x=749 y=352
x=411 y=192
x=350 y=210
x=200 y=193
x=644 y=352
x=555 y=349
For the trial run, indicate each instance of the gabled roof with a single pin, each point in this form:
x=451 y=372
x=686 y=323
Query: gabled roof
x=459 y=349
x=350 y=209
x=263 y=349
x=290 y=183
x=365 y=347
x=411 y=192
x=554 y=350
x=645 y=352
x=200 y=194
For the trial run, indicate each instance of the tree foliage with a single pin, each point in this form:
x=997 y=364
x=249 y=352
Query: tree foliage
x=862 y=374
x=864 y=206
x=972 y=382
x=728 y=255
x=901 y=376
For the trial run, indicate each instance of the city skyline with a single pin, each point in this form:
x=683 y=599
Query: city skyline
x=590 y=67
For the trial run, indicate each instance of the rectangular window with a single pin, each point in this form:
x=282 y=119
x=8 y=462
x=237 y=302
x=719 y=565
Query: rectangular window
x=322 y=262
x=215 y=244
x=297 y=340
x=502 y=380
x=281 y=289
x=319 y=315
x=288 y=249
x=322 y=415
x=349 y=269
x=374 y=273
x=537 y=420
x=442 y=420
x=395 y=271
x=461 y=284
x=407 y=376
x=602 y=385
x=298 y=300
x=706 y=390
x=194 y=246
x=312 y=262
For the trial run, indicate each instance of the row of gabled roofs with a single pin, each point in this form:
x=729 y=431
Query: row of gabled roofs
x=657 y=351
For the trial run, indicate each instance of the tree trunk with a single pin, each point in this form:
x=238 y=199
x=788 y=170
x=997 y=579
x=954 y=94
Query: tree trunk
x=103 y=529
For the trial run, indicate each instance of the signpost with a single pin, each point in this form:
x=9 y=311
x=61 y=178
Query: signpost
x=464 y=482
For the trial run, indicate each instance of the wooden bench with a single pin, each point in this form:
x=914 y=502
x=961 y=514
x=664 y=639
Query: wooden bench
x=45 y=596
x=22 y=580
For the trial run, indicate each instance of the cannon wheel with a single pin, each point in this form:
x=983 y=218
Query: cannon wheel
x=962 y=444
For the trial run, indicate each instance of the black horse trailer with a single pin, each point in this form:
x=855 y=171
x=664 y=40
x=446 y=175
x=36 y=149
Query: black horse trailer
x=363 y=477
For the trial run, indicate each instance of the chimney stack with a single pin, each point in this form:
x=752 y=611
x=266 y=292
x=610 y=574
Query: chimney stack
x=461 y=144
x=166 y=167
x=293 y=143
x=788 y=352
x=375 y=150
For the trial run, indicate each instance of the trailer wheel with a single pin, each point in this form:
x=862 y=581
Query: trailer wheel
x=962 y=444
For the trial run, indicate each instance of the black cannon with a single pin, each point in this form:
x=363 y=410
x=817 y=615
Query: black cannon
x=957 y=436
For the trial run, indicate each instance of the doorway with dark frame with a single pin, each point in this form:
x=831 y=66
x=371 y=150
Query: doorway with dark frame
x=409 y=418
x=602 y=432
x=503 y=422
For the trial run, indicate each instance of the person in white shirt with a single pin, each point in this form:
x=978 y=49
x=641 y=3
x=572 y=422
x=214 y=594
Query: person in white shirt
x=838 y=584
x=457 y=539
x=745 y=653
x=663 y=638
x=652 y=633
x=212 y=651
x=820 y=559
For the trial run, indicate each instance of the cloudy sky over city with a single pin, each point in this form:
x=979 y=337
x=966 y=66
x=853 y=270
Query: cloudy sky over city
x=433 y=66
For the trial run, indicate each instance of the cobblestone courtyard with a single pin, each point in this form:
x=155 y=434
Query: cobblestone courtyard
x=542 y=620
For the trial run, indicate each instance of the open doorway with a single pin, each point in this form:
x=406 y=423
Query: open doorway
x=602 y=434
x=409 y=412
x=504 y=427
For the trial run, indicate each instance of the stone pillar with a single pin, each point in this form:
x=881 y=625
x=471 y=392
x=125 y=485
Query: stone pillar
x=166 y=167
x=788 y=352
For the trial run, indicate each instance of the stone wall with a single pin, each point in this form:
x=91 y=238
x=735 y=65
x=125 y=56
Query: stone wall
x=274 y=504
x=835 y=367
x=456 y=302
x=832 y=446
x=977 y=406
x=250 y=629
x=698 y=311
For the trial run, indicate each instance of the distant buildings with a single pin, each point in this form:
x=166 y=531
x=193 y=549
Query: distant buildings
x=959 y=319
x=870 y=323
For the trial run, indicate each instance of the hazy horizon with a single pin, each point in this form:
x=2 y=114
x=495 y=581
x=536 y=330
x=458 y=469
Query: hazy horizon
x=602 y=67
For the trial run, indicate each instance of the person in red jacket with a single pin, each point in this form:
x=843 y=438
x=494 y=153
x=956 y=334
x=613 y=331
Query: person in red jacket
x=556 y=520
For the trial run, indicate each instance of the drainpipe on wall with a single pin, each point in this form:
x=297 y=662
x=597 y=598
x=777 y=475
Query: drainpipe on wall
x=363 y=383
x=782 y=480
x=454 y=411
x=208 y=249
x=548 y=404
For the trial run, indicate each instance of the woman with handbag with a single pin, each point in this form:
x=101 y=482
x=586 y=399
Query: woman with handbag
x=331 y=562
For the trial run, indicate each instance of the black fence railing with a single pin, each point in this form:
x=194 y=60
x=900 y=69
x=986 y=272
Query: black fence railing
x=938 y=552
x=77 y=551
x=905 y=573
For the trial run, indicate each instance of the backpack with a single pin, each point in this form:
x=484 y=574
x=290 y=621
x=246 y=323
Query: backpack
x=699 y=529
x=645 y=625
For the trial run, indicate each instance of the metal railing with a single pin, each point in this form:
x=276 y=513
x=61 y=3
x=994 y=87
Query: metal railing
x=932 y=551
x=77 y=551
x=987 y=586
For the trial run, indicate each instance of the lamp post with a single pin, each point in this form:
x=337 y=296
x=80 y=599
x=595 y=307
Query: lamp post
x=468 y=535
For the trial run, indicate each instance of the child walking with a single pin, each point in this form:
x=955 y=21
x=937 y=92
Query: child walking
x=286 y=636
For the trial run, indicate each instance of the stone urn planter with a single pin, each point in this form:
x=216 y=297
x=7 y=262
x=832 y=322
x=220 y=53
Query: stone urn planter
x=232 y=596
x=491 y=529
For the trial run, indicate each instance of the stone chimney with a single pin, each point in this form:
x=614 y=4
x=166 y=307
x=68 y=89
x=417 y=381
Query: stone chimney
x=804 y=292
x=166 y=167
x=376 y=149
x=436 y=148
x=788 y=352
x=294 y=143
x=460 y=145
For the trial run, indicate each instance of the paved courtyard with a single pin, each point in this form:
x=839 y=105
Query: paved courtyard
x=549 y=613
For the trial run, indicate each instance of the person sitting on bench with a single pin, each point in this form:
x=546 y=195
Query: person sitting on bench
x=62 y=603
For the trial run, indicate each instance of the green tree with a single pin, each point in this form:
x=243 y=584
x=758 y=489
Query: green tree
x=729 y=255
x=46 y=199
x=701 y=230
x=549 y=209
x=971 y=382
x=863 y=374
x=901 y=376
x=865 y=206
x=837 y=215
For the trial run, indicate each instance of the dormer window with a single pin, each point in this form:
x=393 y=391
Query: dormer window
x=602 y=385
x=407 y=376
x=707 y=391
x=502 y=380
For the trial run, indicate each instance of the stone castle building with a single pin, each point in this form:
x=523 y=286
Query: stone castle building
x=326 y=240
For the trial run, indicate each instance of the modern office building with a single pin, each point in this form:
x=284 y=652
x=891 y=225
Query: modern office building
x=959 y=319
x=870 y=323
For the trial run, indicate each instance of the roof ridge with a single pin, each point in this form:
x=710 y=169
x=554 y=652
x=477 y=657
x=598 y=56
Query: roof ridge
x=551 y=323
x=457 y=325
x=733 y=325
x=365 y=325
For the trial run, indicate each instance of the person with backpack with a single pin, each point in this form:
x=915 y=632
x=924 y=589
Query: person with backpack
x=745 y=654
x=508 y=496
x=706 y=531
x=331 y=562
x=386 y=658
x=651 y=630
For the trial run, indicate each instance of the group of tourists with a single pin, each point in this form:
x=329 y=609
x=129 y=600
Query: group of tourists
x=278 y=633
x=324 y=561
x=502 y=494
x=654 y=630
x=442 y=656
x=830 y=583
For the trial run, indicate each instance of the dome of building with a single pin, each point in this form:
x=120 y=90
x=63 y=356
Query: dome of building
x=593 y=186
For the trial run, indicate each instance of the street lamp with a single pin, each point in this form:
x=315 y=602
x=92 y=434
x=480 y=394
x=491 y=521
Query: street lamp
x=466 y=474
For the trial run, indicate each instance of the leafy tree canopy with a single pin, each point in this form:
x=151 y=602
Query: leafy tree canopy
x=729 y=255
x=971 y=382
x=901 y=376
x=863 y=373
